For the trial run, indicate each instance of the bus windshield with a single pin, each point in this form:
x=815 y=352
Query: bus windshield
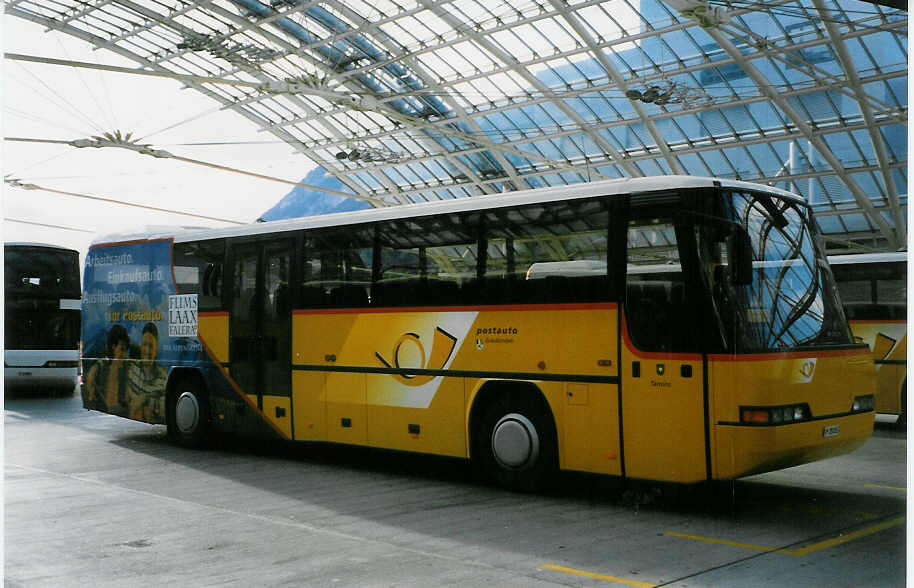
x=791 y=301
x=41 y=271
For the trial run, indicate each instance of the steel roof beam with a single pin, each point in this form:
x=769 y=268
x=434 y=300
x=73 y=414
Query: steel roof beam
x=875 y=136
x=415 y=122
x=886 y=117
x=743 y=139
x=514 y=65
x=332 y=129
x=641 y=76
x=671 y=160
x=101 y=42
x=371 y=29
x=761 y=178
x=787 y=56
x=820 y=146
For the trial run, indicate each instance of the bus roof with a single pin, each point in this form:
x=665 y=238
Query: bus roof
x=868 y=257
x=45 y=245
x=532 y=196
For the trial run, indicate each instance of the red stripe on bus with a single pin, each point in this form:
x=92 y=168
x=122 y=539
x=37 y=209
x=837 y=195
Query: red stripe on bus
x=133 y=242
x=481 y=308
x=790 y=355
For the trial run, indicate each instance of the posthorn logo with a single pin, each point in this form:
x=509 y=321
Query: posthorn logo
x=442 y=348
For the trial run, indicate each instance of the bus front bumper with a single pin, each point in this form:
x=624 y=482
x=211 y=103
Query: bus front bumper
x=744 y=450
x=19 y=377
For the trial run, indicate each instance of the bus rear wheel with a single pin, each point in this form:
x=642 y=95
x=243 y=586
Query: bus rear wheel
x=514 y=444
x=188 y=414
x=902 y=422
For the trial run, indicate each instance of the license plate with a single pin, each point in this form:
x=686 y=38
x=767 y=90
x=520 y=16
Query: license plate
x=831 y=430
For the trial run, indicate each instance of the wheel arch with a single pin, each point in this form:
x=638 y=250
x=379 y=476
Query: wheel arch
x=489 y=391
x=178 y=375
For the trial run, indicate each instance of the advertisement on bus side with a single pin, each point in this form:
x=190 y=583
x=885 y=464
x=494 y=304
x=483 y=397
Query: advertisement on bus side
x=134 y=325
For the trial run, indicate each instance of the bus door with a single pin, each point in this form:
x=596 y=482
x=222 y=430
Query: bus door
x=663 y=395
x=261 y=327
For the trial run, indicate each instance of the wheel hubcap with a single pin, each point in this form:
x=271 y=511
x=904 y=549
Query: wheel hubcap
x=187 y=412
x=515 y=443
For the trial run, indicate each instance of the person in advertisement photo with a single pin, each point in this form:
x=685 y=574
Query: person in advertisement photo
x=106 y=380
x=146 y=379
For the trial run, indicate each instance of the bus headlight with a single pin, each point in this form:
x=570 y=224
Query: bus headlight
x=61 y=364
x=863 y=403
x=773 y=415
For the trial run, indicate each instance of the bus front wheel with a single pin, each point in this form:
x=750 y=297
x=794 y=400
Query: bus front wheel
x=188 y=415
x=514 y=444
x=902 y=422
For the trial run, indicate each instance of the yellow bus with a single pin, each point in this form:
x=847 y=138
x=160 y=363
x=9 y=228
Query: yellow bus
x=873 y=289
x=708 y=344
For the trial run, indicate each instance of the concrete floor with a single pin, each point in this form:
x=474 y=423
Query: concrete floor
x=96 y=500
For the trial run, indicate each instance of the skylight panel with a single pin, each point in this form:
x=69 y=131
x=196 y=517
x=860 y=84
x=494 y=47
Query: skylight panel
x=367 y=181
x=443 y=63
x=649 y=167
x=626 y=17
x=470 y=12
x=693 y=164
x=687 y=52
x=127 y=19
x=864 y=152
x=718 y=164
x=436 y=170
x=556 y=34
x=568 y=149
x=581 y=108
x=201 y=19
x=739 y=122
x=745 y=165
x=901 y=183
x=671 y=131
x=311 y=131
x=471 y=58
x=894 y=137
x=597 y=21
x=436 y=27
x=856 y=222
x=486 y=90
x=872 y=185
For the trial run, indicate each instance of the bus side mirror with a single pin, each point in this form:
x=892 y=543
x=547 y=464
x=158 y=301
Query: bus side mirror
x=740 y=255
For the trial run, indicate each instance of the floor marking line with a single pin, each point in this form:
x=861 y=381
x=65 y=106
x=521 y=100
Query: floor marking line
x=885 y=487
x=811 y=548
x=595 y=576
x=720 y=541
x=848 y=537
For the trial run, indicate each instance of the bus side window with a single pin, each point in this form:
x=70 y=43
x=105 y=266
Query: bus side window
x=891 y=292
x=336 y=269
x=198 y=270
x=655 y=292
x=425 y=261
x=548 y=252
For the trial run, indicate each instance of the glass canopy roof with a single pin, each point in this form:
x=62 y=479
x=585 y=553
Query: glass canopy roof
x=416 y=100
